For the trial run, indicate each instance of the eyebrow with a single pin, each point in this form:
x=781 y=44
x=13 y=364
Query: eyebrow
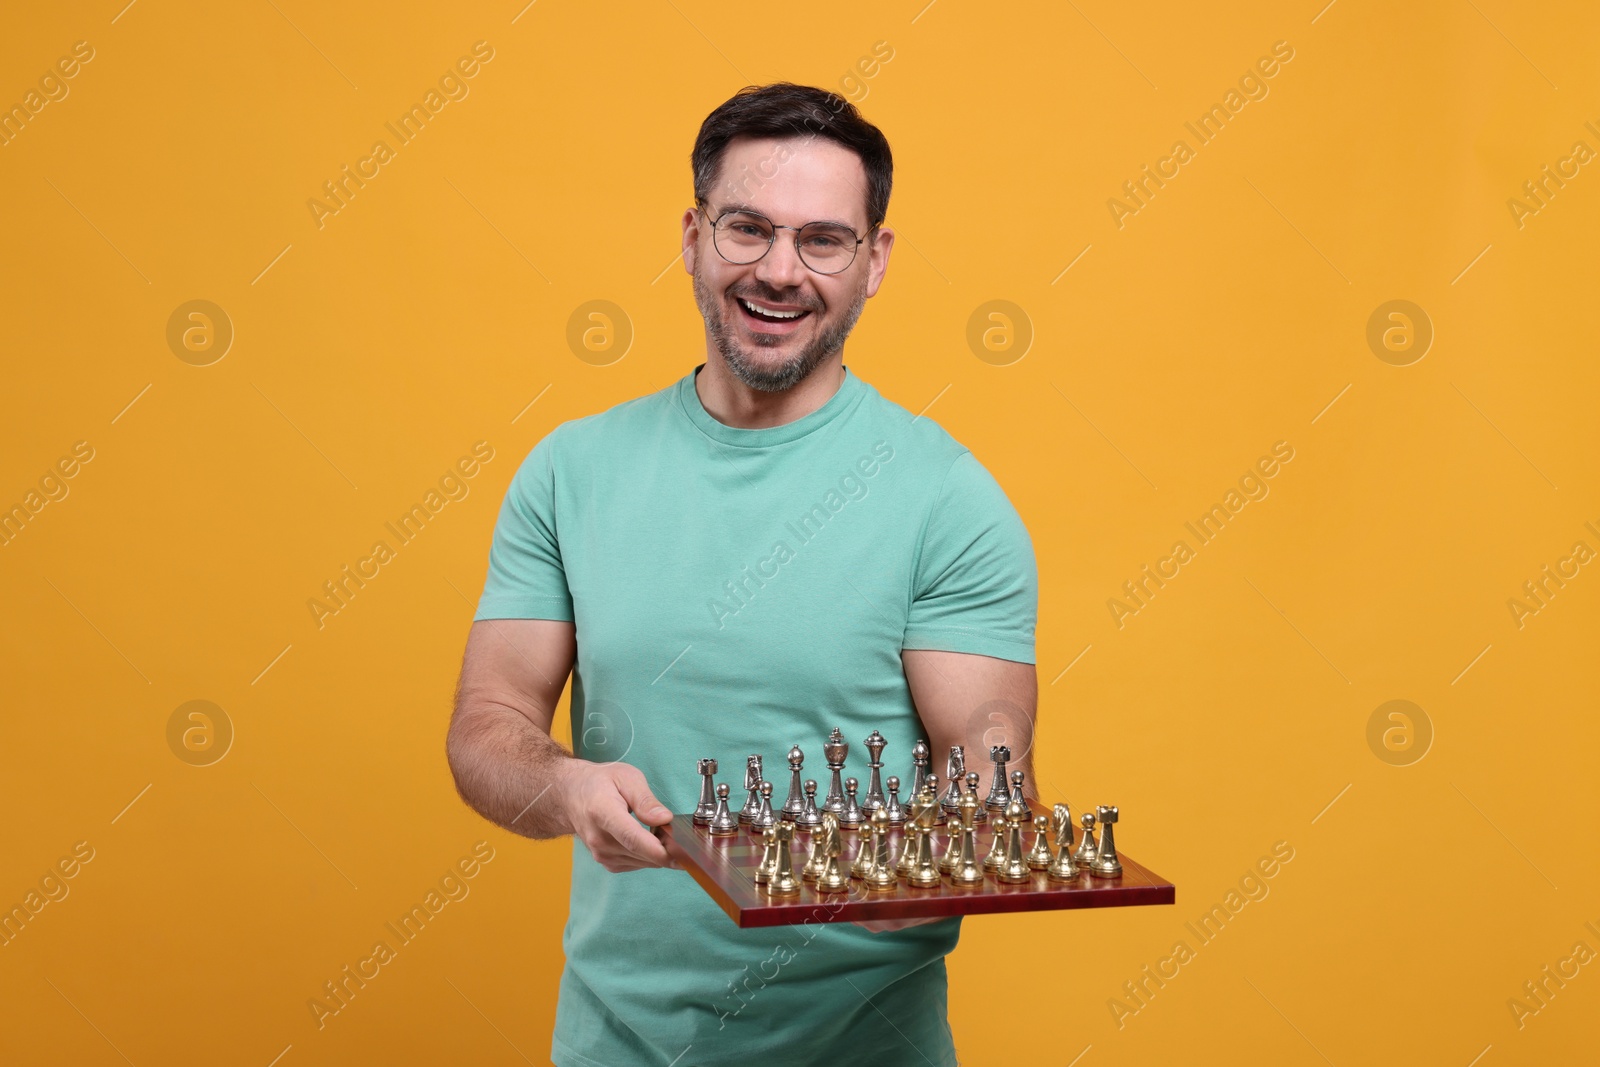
x=738 y=206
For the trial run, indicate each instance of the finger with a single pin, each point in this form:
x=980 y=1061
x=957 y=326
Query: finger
x=631 y=837
x=636 y=791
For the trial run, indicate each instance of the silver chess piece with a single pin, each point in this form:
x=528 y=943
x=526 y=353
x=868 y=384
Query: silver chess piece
x=723 y=822
x=707 y=807
x=764 y=817
x=955 y=769
x=897 y=814
x=920 y=754
x=834 y=752
x=851 y=817
x=809 y=818
x=875 y=744
x=752 y=782
x=1106 y=864
x=999 y=796
x=795 y=803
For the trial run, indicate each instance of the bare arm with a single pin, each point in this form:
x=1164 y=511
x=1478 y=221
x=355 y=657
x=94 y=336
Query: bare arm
x=510 y=770
x=975 y=702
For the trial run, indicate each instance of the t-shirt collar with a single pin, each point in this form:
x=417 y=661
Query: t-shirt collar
x=846 y=397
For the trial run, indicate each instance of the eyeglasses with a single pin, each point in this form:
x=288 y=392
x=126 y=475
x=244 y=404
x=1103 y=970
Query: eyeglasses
x=743 y=237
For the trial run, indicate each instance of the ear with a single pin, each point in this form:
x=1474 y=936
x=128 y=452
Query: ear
x=879 y=246
x=691 y=239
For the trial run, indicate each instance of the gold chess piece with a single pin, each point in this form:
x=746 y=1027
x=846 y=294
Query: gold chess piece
x=783 y=882
x=814 y=856
x=864 y=857
x=1040 y=855
x=1063 y=868
x=972 y=790
x=769 y=856
x=997 y=844
x=924 y=872
x=881 y=876
x=968 y=871
x=1014 y=867
x=831 y=879
x=1086 y=847
x=1106 y=864
x=952 y=850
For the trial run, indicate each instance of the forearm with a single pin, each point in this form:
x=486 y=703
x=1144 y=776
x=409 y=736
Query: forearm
x=506 y=769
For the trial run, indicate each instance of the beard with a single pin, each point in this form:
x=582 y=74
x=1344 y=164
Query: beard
x=742 y=360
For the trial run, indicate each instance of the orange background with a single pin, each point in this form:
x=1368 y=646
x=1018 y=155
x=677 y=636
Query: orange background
x=1229 y=313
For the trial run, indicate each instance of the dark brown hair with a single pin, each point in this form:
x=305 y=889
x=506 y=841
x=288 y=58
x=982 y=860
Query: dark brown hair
x=784 y=109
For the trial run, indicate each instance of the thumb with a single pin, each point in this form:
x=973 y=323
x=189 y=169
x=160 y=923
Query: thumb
x=636 y=791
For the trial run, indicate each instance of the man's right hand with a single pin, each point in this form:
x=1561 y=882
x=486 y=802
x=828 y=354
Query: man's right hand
x=601 y=801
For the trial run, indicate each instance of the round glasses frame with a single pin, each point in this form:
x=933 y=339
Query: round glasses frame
x=772 y=239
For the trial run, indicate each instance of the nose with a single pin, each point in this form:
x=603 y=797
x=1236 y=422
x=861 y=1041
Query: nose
x=781 y=268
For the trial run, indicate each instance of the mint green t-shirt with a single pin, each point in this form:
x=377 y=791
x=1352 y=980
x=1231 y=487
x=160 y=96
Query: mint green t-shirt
x=740 y=591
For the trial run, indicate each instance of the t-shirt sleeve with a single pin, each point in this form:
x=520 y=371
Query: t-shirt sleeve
x=976 y=585
x=526 y=579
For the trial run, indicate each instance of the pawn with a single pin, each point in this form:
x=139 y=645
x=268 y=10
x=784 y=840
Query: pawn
x=769 y=856
x=997 y=844
x=972 y=791
x=724 y=823
x=1087 y=846
x=866 y=856
x=783 y=882
x=968 y=871
x=897 y=814
x=881 y=876
x=1014 y=870
x=764 y=818
x=952 y=852
x=1106 y=864
x=809 y=818
x=851 y=817
x=1041 y=854
x=1016 y=786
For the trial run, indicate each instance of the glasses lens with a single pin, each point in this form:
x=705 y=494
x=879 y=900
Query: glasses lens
x=827 y=249
x=742 y=238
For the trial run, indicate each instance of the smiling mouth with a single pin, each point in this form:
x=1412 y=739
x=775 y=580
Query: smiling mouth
x=758 y=313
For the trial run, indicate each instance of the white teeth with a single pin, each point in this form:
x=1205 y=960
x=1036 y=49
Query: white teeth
x=771 y=311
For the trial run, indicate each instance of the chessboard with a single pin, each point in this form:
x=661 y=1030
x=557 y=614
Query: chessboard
x=725 y=868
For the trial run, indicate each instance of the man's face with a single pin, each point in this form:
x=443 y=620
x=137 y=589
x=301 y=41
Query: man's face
x=791 y=181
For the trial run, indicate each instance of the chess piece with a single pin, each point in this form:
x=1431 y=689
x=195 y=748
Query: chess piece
x=924 y=872
x=875 y=744
x=723 y=822
x=955 y=769
x=952 y=849
x=813 y=864
x=809 y=818
x=1016 y=791
x=794 y=803
x=769 y=856
x=1014 y=868
x=919 y=772
x=881 y=876
x=1040 y=855
x=1106 y=864
x=707 y=807
x=897 y=814
x=1063 y=868
x=866 y=855
x=997 y=845
x=972 y=790
x=922 y=813
x=968 y=871
x=752 y=782
x=999 y=795
x=1086 y=845
x=850 y=816
x=835 y=751
x=764 y=817
x=783 y=883
x=831 y=878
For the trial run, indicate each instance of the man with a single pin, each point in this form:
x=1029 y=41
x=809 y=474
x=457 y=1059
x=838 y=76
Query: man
x=738 y=563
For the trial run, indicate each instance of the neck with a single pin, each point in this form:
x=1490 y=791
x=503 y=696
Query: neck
x=733 y=403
